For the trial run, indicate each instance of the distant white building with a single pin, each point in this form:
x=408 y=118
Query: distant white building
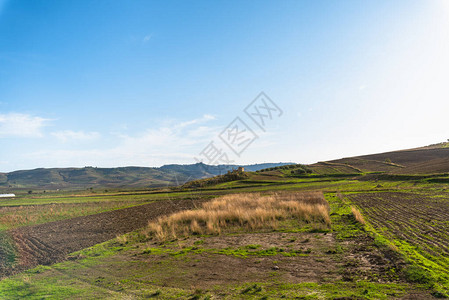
x=7 y=195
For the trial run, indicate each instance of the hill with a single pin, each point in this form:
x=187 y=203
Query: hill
x=129 y=177
x=432 y=159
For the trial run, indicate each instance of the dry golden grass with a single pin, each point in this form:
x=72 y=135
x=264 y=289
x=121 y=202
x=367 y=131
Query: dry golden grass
x=122 y=239
x=357 y=215
x=247 y=211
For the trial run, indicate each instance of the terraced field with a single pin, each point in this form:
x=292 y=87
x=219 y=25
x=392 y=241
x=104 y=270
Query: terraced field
x=416 y=223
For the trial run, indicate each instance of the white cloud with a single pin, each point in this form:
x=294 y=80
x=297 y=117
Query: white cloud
x=203 y=119
x=21 y=125
x=147 y=38
x=170 y=138
x=69 y=135
x=173 y=143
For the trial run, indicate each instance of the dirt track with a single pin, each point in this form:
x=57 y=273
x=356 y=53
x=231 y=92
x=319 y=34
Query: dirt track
x=51 y=242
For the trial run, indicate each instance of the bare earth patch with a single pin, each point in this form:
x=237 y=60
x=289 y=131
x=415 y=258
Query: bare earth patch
x=216 y=264
x=209 y=269
x=235 y=259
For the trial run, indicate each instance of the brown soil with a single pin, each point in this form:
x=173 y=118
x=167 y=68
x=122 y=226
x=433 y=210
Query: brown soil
x=415 y=161
x=418 y=219
x=222 y=273
x=207 y=270
x=322 y=263
x=44 y=244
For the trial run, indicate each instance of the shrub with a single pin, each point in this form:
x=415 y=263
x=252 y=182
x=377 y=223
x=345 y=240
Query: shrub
x=418 y=275
x=229 y=176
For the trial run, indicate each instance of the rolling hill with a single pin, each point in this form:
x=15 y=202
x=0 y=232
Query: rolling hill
x=129 y=177
x=432 y=159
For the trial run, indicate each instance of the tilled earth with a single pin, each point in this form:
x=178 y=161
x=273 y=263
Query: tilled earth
x=49 y=243
x=421 y=220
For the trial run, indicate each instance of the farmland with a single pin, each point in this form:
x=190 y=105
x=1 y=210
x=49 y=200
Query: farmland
x=271 y=234
x=292 y=259
x=415 y=223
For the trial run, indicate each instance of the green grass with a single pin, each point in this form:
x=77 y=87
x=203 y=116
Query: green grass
x=241 y=252
x=14 y=217
x=359 y=290
x=41 y=200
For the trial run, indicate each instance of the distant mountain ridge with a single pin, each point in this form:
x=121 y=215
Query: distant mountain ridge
x=121 y=177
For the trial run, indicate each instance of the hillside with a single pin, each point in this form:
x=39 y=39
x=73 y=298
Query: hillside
x=432 y=159
x=129 y=177
x=427 y=160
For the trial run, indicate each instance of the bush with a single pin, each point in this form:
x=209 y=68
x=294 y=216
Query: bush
x=296 y=169
x=418 y=275
x=229 y=176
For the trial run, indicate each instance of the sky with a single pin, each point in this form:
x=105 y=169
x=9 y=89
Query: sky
x=146 y=83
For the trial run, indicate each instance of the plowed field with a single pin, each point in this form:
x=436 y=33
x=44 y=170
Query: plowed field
x=421 y=221
x=27 y=247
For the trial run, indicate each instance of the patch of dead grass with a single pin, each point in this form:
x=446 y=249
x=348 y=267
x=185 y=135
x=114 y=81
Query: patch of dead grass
x=358 y=215
x=248 y=211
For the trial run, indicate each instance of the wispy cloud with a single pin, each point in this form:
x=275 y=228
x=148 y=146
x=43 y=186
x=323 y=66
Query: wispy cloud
x=147 y=38
x=21 y=125
x=175 y=142
x=205 y=118
x=69 y=135
x=171 y=137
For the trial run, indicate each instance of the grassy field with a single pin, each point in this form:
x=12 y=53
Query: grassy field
x=32 y=210
x=18 y=216
x=41 y=208
x=354 y=247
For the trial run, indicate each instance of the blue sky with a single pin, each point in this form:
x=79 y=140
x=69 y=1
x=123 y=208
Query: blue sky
x=118 y=83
